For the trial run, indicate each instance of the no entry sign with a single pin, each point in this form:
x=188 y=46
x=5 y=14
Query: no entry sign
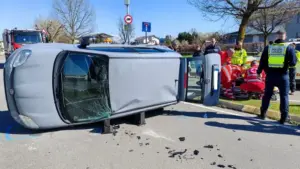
x=128 y=19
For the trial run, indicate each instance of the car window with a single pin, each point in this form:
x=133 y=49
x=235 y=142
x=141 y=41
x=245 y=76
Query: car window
x=85 y=88
x=77 y=65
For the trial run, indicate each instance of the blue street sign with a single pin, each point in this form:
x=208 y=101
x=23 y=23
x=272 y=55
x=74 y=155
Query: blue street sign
x=146 y=26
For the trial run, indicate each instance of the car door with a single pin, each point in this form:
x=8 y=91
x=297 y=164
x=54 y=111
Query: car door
x=200 y=79
x=190 y=80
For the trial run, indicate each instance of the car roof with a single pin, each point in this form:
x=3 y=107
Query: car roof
x=111 y=50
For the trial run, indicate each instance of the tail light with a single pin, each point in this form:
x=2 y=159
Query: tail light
x=185 y=80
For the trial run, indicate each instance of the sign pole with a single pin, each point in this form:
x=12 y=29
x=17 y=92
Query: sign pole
x=146 y=38
x=146 y=33
x=127 y=3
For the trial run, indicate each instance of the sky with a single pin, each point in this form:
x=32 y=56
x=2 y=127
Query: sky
x=167 y=17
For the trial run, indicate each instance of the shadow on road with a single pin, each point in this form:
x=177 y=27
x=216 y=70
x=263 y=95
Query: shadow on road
x=9 y=126
x=255 y=125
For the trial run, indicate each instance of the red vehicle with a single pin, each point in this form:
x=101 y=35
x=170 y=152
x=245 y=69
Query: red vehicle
x=16 y=38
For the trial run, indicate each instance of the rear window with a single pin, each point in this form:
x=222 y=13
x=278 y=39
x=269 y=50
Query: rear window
x=130 y=49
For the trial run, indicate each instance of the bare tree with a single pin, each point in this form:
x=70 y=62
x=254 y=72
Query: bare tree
x=239 y=9
x=126 y=32
x=76 y=15
x=53 y=28
x=267 y=20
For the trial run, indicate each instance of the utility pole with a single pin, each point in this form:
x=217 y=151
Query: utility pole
x=127 y=3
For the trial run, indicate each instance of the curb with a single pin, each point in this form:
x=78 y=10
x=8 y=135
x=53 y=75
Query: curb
x=271 y=114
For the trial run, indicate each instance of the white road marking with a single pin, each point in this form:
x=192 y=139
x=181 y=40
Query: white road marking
x=235 y=114
x=151 y=133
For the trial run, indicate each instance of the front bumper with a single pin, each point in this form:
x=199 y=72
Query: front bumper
x=8 y=75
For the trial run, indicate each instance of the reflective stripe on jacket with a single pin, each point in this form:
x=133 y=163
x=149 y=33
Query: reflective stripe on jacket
x=251 y=75
x=226 y=72
x=230 y=73
x=276 y=55
x=239 y=57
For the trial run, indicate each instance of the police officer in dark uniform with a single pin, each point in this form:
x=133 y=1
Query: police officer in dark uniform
x=275 y=61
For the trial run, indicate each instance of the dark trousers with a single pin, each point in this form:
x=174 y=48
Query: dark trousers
x=292 y=74
x=282 y=82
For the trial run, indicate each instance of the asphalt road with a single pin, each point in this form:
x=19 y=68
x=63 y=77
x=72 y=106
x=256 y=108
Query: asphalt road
x=222 y=137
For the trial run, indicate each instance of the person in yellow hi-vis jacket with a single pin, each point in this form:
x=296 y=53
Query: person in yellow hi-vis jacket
x=239 y=56
x=292 y=72
x=275 y=62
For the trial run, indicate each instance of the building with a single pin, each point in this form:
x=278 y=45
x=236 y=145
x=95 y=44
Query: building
x=151 y=39
x=100 y=38
x=252 y=36
x=293 y=28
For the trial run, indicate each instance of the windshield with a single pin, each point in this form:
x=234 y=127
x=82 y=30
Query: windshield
x=27 y=37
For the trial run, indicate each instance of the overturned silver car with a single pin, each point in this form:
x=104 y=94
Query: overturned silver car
x=55 y=85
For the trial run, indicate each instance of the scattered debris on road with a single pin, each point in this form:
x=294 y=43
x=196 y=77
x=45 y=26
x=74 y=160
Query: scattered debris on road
x=220 y=156
x=218 y=149
x=141 y=144
x=213 y=163
x=147 y=144
x=116 y=127
x=196 y=152
x=167 y=148
x=209 y=146
x=188 y=157
x=114 y=132
x=173 y=153
x=221 y=166
x=131 y=150
x=138 y=137
x=239 y=139
x=181 y=138
x=251 y=160
x=231 y=166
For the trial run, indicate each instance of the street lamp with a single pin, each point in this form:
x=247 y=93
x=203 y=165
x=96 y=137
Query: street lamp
x=127 y=3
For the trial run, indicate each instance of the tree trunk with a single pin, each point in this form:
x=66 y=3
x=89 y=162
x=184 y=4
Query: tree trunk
x=242 y=29
x=265 y=40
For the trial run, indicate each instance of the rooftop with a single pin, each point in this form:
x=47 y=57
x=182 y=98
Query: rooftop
x=251 y=31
